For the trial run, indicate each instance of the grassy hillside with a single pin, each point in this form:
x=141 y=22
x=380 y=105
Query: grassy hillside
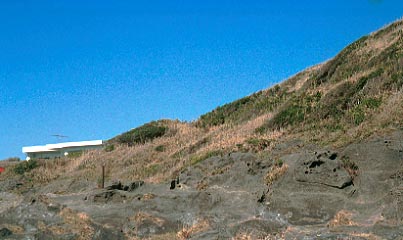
x=345 y=99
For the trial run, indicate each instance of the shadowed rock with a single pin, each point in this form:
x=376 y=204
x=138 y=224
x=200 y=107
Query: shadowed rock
x=5 y=232
x=323 y=168
x=130 y=188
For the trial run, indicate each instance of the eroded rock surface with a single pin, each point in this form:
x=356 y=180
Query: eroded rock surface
x=224 y=197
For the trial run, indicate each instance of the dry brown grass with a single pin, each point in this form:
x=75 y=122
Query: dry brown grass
x=242 y=236
x=298 y=80
x=187 y=231
x=48 y=170
x=342 y=218
x=142 y=217
x=380 y=43
x=13 y=228
x=392 y=110
x=8 y=169
x=166 y=236
x=228 y=137
x=79 y=223
x=368 y=236
x=275 y=172
x=381 y=120
x=144 y=162
x=247 y=236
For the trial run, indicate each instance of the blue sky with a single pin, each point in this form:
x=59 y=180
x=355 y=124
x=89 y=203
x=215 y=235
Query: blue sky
x=94 y=69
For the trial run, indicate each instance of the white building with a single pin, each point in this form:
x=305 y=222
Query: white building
x=60 y=149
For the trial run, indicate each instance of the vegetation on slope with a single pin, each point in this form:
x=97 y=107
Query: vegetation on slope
x=354 y=85
x=243 y=109
x=25 y=166
x=345 y=91
x=345 y=99
x=143 y=134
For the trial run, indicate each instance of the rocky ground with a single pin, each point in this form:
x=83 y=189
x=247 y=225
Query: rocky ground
x=310 y=193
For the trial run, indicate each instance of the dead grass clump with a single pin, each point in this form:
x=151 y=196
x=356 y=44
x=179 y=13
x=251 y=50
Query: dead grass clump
x=350 y=166
x=48 y=170
x=148 y=196
x=183 y=144
x=202 y=185
x=142 y=217
x=187 y=231
x=242 y=236
x=342 y=218
x=195 y=159
x=184 y=234
x=165 y=236
x=368 y=236
x=275 y=172
x=256 y=144
x=13 y=228
x=248 y=236
x=79 y=223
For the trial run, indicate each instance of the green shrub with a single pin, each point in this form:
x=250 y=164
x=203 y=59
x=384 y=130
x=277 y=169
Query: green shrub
x=288 y=116
x=278 y=163
x=253 y=141
x=372 y=103
x=109 y=148
x=396 y=81
x=363 y=80
x=358 y=115
x=358 y=112
x=75 y=154
x=152 y=170
x=221 y=114
x=342 y=66
x=160 y=148
x=243 y=109
x=199 y=158
x=25 y=166
x=334 y=127
x=335 y=102
x=142 y=134
x=297 y=109
x=258 y=144
x=276 y=89
x=199 y=144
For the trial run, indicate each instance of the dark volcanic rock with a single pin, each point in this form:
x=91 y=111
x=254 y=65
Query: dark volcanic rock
x=316 y=189
x=226 y=197
x=115 y=186
x=11 y=184
x=323 y=168
x=5 y=232
x=312 y=191
x=109 y=196
x=135 y=185
x=130 y=188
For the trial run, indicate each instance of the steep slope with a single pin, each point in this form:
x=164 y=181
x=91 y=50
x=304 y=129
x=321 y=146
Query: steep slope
x=319 y=155
x=345 y=99
x=350 y=97
x=343 y=93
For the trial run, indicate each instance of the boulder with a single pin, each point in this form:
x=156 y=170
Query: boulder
x=323 y=168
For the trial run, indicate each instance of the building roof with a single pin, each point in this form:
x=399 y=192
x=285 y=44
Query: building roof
x=59 y=146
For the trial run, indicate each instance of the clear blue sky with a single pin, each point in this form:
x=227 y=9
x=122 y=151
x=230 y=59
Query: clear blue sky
x=94 y=69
